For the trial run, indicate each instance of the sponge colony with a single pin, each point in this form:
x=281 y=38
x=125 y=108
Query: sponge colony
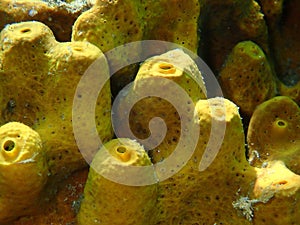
x=38 y=79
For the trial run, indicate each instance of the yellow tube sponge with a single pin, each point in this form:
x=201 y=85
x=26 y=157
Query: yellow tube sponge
x=229 y=190
x=226 y=191
x=274 y=133
x=277 y=194
x=175 y=21
x=225 y=23
x=23 y=171
x=205 y=194
x=166 y=86
x=108 y=202
x=108 y=24
x=246 y=77
x=38 y=79
x=58 y=15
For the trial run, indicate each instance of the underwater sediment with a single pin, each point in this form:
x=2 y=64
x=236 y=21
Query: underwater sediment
x=231 y=159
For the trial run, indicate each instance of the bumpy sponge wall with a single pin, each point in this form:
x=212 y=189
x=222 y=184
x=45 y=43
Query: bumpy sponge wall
x=38 y=78
x=161 y=84
x=192 y=196
x=246 y=77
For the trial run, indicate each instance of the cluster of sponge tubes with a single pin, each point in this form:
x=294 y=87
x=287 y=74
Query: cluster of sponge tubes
x=38 y=80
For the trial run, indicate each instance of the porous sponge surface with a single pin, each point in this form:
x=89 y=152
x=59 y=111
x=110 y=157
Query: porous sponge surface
x=227 y=191
x=174 y=21
x=126 y=21
x=102 y=196
x=111 y=24
x=39 y=77
x=169 y=70
x=246 y=77
x=197 y=197
x=117 y=24
x=194 y=196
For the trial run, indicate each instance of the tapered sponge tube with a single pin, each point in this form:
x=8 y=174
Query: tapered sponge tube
x=23 y=171
x=113 y=193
